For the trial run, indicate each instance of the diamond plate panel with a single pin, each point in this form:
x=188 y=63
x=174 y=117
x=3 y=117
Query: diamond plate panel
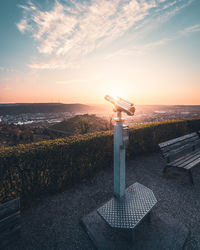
x=128 y=211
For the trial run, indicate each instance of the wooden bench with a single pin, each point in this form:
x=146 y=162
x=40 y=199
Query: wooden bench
x=182 y=152
x=9 y=223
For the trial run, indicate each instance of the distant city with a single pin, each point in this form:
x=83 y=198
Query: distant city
x=23 y=123
x=151 y=113
x=144 y=113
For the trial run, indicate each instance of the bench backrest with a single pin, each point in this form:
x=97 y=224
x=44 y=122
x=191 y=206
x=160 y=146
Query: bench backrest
x=181 y=145
x=9 y=222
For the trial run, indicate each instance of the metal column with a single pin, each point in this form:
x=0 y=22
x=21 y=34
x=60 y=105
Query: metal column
x=119 y=161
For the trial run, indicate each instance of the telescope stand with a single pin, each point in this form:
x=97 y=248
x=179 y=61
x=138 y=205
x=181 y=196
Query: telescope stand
x=123 y=213
x=128 y=207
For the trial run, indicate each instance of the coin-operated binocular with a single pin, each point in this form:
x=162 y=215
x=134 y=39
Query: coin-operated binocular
x=121 y=105
x=121 y=139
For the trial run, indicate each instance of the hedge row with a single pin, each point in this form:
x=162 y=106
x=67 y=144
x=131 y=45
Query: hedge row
x=29 y=170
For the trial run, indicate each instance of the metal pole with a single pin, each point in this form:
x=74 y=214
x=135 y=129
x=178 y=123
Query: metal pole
x=119 y=158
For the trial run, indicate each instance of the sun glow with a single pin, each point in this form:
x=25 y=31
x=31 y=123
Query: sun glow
x=117 y=89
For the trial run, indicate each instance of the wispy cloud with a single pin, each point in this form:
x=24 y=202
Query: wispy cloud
x=173 y=8
x=144 y=49
x=69 y=31
x=190 y=29
x=23 y=26
x=179 y=34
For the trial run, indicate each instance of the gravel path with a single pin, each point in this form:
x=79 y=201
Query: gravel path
x=54 y=222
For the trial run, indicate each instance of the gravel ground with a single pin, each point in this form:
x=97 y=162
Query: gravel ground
x=54 y=222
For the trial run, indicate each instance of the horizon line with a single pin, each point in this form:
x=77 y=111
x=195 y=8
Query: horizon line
x=7 y=103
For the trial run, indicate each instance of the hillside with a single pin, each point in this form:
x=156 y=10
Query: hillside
x=82 y=124
x=20 y=108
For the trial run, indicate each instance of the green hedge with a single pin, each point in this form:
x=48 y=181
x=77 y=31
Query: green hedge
x=32 y=169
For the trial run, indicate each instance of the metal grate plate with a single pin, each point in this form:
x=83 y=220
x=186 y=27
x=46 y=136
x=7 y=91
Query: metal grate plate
x=128 y=211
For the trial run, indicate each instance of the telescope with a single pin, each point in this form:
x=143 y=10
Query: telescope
x=121 y=105
x=129 y=206
x=121 y=139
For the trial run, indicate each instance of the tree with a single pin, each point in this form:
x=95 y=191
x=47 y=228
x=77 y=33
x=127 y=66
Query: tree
x=84 y=126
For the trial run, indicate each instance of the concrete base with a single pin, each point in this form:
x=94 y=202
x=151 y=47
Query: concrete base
x=162 y=233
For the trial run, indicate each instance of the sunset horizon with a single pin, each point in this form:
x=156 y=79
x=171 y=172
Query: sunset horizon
x=78 y=51
x=94 y=104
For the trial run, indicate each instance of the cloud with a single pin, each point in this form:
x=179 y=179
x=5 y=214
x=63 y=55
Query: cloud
x=23 y=26
x=79 y=29
x=53 y=63
x=72 y=30
x=143 y=49
x=173 y=8
x=167 y=5
x=190 y=29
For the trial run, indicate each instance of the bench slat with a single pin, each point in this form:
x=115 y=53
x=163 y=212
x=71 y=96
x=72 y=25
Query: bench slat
x=193 y=140
x=182 y=152
x=187 y=147
x=193 y=164
x=183 y=158
x=186 y=161
x=10 y=221
x=172 y=141
x=9 y=208
x=179 y=143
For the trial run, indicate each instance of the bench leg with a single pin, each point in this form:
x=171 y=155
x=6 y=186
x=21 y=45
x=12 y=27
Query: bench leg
x=190 y=177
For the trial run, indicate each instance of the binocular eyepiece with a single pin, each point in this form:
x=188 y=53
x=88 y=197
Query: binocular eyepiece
x=121 y=105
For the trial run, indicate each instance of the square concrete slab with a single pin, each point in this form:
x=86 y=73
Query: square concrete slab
x=162 y=233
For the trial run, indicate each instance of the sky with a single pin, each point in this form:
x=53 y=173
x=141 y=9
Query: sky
x=72 y=51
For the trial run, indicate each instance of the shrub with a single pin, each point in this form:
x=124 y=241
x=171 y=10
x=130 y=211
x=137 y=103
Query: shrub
x=31 y=169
